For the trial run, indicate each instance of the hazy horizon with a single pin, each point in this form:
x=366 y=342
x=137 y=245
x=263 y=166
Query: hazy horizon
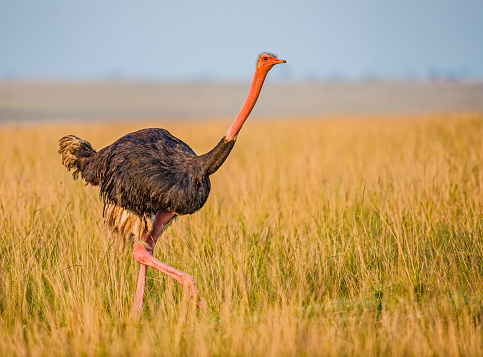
x=29 y=101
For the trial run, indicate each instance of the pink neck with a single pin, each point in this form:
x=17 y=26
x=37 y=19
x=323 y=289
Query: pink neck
x=245 y=111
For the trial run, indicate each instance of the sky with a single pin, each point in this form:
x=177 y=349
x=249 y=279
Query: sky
x=219 y=40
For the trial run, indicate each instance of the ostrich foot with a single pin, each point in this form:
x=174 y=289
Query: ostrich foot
x=189 y=282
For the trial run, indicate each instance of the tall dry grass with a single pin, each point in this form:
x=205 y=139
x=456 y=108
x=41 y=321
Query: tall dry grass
x=333 y=237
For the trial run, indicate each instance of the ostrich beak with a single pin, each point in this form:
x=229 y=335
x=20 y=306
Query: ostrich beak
x=277 y=61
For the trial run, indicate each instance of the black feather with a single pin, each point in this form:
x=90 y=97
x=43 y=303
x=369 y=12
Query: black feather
x=150 y=170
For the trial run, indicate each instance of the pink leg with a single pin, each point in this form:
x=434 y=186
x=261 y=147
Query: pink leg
x=145 y=257
x=139 y=297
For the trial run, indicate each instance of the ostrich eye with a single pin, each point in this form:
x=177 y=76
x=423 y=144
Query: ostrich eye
x=265 y=59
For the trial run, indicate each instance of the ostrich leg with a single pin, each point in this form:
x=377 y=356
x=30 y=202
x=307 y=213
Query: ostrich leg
x=140 y=289
x=145 y=258
x=161 y=219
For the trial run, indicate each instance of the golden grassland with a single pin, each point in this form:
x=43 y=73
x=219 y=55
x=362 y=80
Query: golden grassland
x=320 y=237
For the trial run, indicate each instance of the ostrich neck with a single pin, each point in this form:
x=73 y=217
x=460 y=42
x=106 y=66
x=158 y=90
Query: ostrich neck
x=212 y=160
x=252 y=97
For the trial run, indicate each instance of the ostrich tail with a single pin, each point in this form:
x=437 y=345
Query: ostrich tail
x=75 y=153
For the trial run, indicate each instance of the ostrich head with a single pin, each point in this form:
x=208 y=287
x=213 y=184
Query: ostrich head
x=267 y=60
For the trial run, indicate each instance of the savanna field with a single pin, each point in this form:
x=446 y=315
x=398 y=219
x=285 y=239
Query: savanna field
x=342 y=236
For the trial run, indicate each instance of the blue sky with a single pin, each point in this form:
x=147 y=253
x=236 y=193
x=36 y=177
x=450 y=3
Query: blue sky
x=219 y=40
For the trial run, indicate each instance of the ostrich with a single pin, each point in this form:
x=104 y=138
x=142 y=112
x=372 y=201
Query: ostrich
x=149 y=177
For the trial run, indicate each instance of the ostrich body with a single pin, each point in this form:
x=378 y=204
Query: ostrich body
x=150 y=173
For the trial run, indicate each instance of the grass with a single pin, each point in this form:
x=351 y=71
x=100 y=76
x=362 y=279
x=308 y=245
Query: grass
x=320 y=237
